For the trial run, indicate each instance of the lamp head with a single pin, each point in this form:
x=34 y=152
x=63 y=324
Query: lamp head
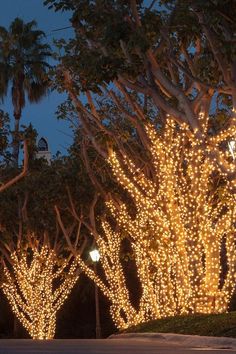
x=95 y=255
x=232 y=148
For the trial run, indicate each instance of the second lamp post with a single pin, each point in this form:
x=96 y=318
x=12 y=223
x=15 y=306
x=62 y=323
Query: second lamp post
x=95 y=256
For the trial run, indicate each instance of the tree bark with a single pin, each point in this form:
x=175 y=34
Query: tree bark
x=16 y=142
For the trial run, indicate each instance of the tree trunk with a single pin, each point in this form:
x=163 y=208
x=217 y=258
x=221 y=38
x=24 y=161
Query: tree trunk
x=16 y=142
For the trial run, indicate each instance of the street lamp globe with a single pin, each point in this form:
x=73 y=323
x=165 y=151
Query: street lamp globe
x=95 y=255
x=232 y=148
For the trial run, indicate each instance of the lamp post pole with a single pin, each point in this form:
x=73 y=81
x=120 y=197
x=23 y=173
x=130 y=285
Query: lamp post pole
x=97 y=308
x=95 y=256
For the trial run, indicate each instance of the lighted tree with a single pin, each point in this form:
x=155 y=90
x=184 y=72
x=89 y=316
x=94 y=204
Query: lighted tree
x=182 y=230
x=38 y=277
x=168 y=70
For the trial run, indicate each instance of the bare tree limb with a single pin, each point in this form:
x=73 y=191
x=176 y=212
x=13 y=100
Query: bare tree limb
x=152 y=4
x=214 y=45
x=64 y=231
x=134 y=10
x=21 y=175
x=91 y=174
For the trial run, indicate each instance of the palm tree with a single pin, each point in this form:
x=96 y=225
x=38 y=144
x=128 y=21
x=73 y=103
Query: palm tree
x=23 y=66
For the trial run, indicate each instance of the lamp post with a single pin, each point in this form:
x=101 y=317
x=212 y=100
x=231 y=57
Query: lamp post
x=95 y=256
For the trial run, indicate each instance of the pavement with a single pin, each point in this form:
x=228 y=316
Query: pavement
x=181 y=339
x=128 y=345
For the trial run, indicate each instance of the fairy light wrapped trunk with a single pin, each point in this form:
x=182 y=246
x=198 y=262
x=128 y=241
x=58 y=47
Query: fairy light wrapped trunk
x=114 y=285
x=36 y=283
x=186 y=220
x=183 y=222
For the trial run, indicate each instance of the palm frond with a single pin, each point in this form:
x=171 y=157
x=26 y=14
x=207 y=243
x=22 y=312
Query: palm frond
x=37 y=90
x=23 y=62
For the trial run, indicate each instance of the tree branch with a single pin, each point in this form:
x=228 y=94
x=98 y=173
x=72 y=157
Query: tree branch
x=134 y=10
x=21 y=175
x=214 y=45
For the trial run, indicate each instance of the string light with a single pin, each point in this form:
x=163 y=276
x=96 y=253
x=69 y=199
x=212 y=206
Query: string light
x=37 y=288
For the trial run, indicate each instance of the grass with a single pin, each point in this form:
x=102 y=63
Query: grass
x=204 y=325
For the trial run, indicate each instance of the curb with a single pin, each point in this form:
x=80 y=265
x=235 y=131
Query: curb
x=182 y=339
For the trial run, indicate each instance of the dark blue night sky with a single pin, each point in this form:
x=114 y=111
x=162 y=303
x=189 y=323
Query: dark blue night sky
x=41 y=115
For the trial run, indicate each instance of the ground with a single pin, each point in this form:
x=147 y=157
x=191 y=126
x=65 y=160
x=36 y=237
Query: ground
x=103 y=346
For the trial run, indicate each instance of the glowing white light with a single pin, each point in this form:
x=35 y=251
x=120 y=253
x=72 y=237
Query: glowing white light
x=232 y=147
x=95 y=255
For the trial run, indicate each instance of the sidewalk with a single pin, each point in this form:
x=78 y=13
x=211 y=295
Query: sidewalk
x=192 y=341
